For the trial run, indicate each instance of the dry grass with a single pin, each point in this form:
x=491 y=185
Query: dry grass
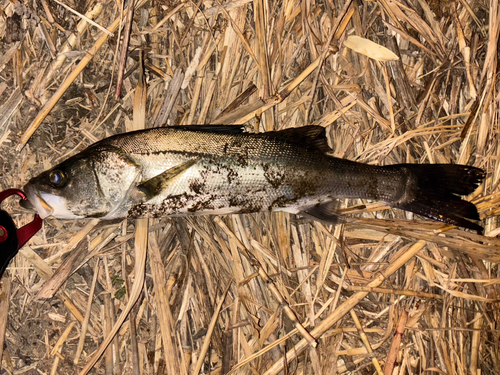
x=262 y=293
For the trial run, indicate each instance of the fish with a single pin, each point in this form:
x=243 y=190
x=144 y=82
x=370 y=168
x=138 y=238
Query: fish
x=217 y=170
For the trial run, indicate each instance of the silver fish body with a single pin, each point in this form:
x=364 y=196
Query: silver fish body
x=184 y=170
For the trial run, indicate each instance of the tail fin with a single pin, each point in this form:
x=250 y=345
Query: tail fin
x=435 y=190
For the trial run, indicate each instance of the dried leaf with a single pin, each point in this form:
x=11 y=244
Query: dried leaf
x=371 y=49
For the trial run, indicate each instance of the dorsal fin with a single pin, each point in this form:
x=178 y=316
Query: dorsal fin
x=311 y=136
x=233 y=129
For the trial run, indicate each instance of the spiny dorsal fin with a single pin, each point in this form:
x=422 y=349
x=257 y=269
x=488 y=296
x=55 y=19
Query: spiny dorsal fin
x=311 y=136
x=232 y=129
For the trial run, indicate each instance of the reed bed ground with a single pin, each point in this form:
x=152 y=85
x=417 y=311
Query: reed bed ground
x=267 y=293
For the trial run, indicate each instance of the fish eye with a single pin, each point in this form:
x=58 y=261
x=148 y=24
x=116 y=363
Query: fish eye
x=58 y=178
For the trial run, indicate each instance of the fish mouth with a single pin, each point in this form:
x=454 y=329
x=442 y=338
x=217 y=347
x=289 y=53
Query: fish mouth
x=35 y=201
x=27 y=205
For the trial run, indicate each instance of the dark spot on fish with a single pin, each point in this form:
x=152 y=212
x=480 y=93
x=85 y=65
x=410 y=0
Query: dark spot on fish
x=197 y=186
x=373 y=189
x=170 y=205
x=237 y=143
x=204 y=174
x=173 y=203
x=302 y=184
x=204 y=205
x=231 y=175
x=275 y=177
x=251 y=208
x=139 y=210
x=243 y=159
x=281 y=201
x=235 y=201
x=242 y=156
x=246 y=204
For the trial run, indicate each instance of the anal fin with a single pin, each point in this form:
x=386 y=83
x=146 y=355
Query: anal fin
x=155 y=185
x=327 y=212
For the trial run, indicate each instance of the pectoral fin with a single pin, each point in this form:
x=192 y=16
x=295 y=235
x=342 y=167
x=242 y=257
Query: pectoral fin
x=157 y=184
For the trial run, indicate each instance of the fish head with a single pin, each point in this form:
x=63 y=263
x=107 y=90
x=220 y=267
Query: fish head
x=91 y=184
